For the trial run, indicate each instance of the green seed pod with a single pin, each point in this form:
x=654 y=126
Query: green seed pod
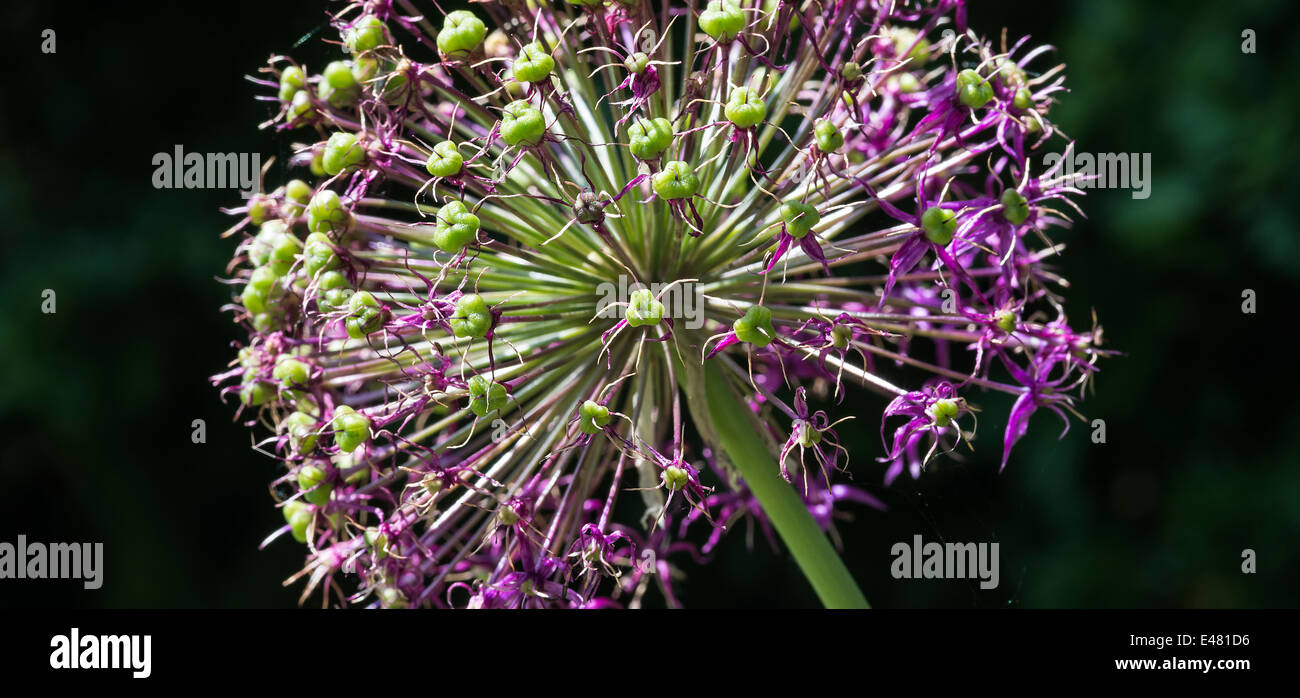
x=338 y=98
x=364 y=315
x=339 y=76
x=973 y=90
x=326 y=214
x=298 y=515
x=333 y=291
x=296 y=195
x=534 y=63
x=841 y=337
x=507 y=515
x=318 y=254
x=377 y=541
x=755 y=327
x=1014 y=207
x=918 y=55
x=907 y=83
x=312 y=482
x=260 y=208
x=286 y=249
x=521 y=122
x=369 y=32
x=291 y=372
x=943 y=410
x=828 y=136
x=260 y=291
x=722 y=20
x=266 y=322
x=343 y=152
x=351 y=428
x=676 y=478
x=445 y=160
x=292 y=79
x=256 y=392
x=268 y=236
x=301 y=428
x=643 y=310
x=461 y=34
x=485 y=395
x=636 y=63
x=1023 y=98
x=592 y=416
x=1005 y=320
x=455 y=227
x=745 y=108
x=799 y=218
x=850 y=71
x=939 y=225
x=472 y=318
x=675 y=181
x=649 y=138
x=773 y=7
x=300 y=107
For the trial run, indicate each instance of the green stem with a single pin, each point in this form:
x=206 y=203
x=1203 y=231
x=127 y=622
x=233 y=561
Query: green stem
x=783 y=507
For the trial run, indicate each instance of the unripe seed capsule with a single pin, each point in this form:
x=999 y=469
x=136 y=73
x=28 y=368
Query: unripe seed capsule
x=534 y=63
x=939 y=224
x=523 y=123
x=799 y=218
x=444 y=160
x=454 y=227
x=1015 y=208
x=351 y=428
x=675 y=181
x=643 y=309
x=755 y=327
x=722 y=20
x=649 y=138
x=461 y=33
x=472 y=318
x=343 y=152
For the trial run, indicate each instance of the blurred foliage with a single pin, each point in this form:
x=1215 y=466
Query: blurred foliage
x=96 y=401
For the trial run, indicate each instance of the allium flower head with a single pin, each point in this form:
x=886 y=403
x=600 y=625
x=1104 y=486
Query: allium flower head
x=562 y=288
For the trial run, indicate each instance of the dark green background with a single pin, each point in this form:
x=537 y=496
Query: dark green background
x=96 y=400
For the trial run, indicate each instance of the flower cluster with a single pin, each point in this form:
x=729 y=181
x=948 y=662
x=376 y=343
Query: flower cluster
x=846 y=185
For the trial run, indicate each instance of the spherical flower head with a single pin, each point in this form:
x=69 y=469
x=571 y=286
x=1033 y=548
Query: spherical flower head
x=532 y=287
x=455 y=228
x=522 y=123
x=462 y=33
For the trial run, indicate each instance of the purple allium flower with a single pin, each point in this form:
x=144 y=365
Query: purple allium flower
x=793 y=200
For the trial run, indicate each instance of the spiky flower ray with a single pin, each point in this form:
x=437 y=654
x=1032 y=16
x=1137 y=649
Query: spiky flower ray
x=457 y=416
